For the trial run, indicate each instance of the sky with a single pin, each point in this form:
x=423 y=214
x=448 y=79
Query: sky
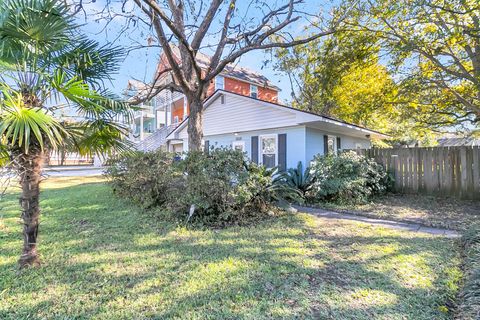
x=140 y=64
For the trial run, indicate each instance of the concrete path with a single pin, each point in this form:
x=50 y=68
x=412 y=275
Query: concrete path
x=384 y=223
x=73 y=171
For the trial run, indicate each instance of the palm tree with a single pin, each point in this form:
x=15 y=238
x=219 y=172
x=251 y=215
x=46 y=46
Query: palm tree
x=46 y=66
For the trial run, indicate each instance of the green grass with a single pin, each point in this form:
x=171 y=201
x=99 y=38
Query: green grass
x=104 y=259
x=427 y=210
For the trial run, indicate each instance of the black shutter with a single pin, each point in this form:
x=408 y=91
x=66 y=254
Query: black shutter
x=339 y=144
x=325 y=144
x=207 y=146
x=282 y=152
x=255 y=149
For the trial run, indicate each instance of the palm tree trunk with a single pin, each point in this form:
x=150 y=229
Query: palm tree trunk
x=29 y=168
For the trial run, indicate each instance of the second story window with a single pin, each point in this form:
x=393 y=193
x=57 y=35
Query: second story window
x=219 y=83
x=253 y=91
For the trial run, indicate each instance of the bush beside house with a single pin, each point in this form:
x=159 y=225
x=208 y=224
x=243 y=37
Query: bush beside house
x=144 y=178
x=222 y=187
x=346 y=178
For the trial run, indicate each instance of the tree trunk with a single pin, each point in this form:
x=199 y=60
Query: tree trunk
x=195 y=124
x=29 y=167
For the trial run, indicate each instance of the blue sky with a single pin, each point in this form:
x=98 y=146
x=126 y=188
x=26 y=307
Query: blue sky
x=140 y=64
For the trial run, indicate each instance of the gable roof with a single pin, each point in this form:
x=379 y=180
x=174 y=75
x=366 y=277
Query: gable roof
x=231 y=70
x=300 y=117
x=458 y=141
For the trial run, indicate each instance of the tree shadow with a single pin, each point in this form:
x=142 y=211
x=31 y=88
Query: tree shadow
x=104 y=258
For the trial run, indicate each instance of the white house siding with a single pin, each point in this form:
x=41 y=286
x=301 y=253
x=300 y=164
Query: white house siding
x=295 y=142
x=314 y=142
x=238 y=114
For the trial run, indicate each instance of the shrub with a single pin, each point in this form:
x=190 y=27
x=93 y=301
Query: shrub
x=469 y=297
x=300 y=180
x=223 y=187
x=347 y=177
x=144 y=178
x=210 y=182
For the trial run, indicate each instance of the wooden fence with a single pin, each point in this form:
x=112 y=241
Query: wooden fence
x=446 y=171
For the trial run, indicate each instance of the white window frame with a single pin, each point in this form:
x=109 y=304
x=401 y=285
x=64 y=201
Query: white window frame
x=260 y=147
x=252 y=91
x=219 y=80
x=238 y=143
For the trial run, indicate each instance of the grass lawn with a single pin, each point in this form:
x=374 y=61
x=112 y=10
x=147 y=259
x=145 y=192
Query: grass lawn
x=104 y=259
x=428 y=210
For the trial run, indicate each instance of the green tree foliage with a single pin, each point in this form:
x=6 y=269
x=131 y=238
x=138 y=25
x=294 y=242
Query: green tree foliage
x=318 y=67
x=436 y=44
x=342 y=77
x=408 y=68
x=46 y=64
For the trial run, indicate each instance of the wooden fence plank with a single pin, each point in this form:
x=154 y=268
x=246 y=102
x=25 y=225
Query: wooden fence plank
x=476 y=171
x=446 y=171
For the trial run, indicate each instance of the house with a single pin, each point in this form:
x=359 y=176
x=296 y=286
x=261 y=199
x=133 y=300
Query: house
x=454 y=141
x=168 y=108
x=269 y=133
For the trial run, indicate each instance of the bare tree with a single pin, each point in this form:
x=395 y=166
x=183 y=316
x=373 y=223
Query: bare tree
x=228 y=30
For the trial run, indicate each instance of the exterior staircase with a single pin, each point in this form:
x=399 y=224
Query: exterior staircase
x=156 y=139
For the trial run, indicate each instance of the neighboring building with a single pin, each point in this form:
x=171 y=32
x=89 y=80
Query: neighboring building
x=269 y=133
x=168 y=108
x=458 y=142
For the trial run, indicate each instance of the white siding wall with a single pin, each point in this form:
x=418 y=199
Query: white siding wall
x=238 y=114
x=314 y=142
x=295 y=142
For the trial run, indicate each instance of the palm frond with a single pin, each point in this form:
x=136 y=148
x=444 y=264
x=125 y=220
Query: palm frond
x=103 y=137
x=87 y=60
x=4 y=155
x=48 y=62
x=23 y=127
x=31 y=30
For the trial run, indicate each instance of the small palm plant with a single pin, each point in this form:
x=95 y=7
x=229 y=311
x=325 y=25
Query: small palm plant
x=47 y=66
x=299 y=179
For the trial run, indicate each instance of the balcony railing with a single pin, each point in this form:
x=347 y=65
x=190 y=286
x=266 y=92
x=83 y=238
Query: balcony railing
x=166 y=96
x=145 y=110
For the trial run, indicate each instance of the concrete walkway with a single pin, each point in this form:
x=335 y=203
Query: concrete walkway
x=73 y=171
x=384 y=223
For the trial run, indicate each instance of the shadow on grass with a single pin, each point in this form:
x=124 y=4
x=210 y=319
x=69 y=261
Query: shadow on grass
x=103 y=258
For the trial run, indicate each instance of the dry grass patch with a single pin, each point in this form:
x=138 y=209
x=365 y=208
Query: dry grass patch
x=427 y=210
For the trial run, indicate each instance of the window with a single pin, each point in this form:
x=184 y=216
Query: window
x=332 y=145
x=238 y=145
x=268 y=150
x=253 y=91
x=219 y=83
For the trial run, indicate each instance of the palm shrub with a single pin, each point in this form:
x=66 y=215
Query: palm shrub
x=299 y=179
x=45 y=65
x=347 y=178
